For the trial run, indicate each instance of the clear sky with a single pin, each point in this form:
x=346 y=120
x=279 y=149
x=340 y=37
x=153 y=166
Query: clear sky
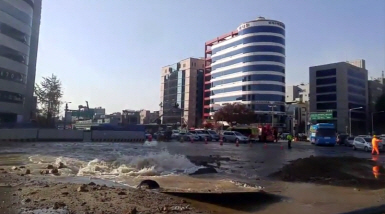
x=110 y=53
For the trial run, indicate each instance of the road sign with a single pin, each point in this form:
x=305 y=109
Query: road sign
x=321 y=116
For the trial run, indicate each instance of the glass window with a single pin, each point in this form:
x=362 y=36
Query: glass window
x=6 y=74
x=325 y=132
x=16 y=13
x=326 y=81
x=326 y=106
x=356 y=82
x=255 y=58
x=354 y=90
x=10 y=97
x=30 y=2
x=14 y=33
x=259 y=87
x=251 y=97
x=247 y=68
x=327 y=97
x=13 y=54
x=262 y=29
x=358 y=115
x=251 y=39
x=356 y=99
x=254 y=77
x=326 y=89
x=324 y=73
x=251 y=49
x=356 y=74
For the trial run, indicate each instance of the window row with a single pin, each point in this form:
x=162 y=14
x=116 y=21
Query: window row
x=254 y=77
x=326 y=89
x=13 y=54
x=251 y=97
x=326 y=81
x=354 y=90
x=357 y=82
x=6 y=74
x=327 y=72
x=253 y=58
x=326 y=97
x=259 y=107
x=14 y=33
x=262 y=29
x=357 y=99
x=16 y=13
x=251 y=49
x=10 y=97
x=247 y=68
x=250 y=39
x=356 y=74
x=30 y=2
x=326 y=106
x=259 y=87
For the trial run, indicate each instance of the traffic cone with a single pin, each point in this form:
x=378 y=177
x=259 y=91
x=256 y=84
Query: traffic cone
x=205 y=140
x=221 y=141
x=281 y=146
x=236 y=142
x=192 y=140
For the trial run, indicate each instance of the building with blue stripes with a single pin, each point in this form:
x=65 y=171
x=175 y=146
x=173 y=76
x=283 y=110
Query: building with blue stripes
x=247 y=66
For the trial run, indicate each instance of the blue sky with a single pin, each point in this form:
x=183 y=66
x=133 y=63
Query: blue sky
x=110 y=53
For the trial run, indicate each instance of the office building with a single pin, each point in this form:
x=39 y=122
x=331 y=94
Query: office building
x=341 y=88
x=181 y=92
x=297 y=93
x=247 y=66
x=19 y=33
x=147 y=117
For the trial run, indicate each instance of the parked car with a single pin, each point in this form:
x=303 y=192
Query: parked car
x=212 y=135
x=202 y=135
x=175 y=134
x=365 y=143
x=193 y=135
x=349 y=141
x=232 y=136
x=341 y=139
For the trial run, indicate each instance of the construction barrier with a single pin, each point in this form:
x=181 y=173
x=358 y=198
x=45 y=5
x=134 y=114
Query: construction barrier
x=60 y=135
x=118 y=136
x=18 y=135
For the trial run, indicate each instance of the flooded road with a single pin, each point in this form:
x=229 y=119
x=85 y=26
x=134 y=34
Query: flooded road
x=240 y=169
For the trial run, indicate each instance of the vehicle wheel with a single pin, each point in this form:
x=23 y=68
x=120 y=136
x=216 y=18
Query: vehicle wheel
x=354 y=148
x=366 y=149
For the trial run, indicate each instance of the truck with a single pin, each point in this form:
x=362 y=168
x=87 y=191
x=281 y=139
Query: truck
x=323 y=134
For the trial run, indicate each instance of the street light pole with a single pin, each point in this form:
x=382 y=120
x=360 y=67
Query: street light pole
x=350 y=119
x=372 y=119
x=272 y=114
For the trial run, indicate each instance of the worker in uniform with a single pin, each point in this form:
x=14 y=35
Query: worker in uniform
x=289 y=139
x=375 y=142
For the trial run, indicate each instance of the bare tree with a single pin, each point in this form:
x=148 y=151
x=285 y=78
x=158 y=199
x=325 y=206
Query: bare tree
x=235 y=112
x=49 y=94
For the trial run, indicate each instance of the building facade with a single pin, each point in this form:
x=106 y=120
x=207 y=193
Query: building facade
x=147 y=117
x=247 y=66
x=181 y=92
x=343 y=89
x=19 y=33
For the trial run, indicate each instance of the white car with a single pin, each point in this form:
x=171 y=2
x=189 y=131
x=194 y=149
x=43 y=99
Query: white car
x=365 y=143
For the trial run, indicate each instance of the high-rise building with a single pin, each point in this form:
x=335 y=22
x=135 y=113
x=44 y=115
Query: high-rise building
x=181 y=92
x=19 y=33
x=247 y=66
x=341 y=88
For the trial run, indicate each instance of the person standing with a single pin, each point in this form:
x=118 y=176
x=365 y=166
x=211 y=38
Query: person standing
x=289 y=139
x=375 y=142
x=276 y=135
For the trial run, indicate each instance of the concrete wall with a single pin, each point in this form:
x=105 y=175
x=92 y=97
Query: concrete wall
x=60 y=135
x=54 y=135
x=18 y=134
x=117 y=135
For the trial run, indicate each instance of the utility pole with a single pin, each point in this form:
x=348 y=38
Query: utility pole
x=65 y=115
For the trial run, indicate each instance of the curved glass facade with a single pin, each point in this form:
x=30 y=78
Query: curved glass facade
x=265 y=53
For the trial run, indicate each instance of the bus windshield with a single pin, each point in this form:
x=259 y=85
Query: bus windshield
x=325 y=132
